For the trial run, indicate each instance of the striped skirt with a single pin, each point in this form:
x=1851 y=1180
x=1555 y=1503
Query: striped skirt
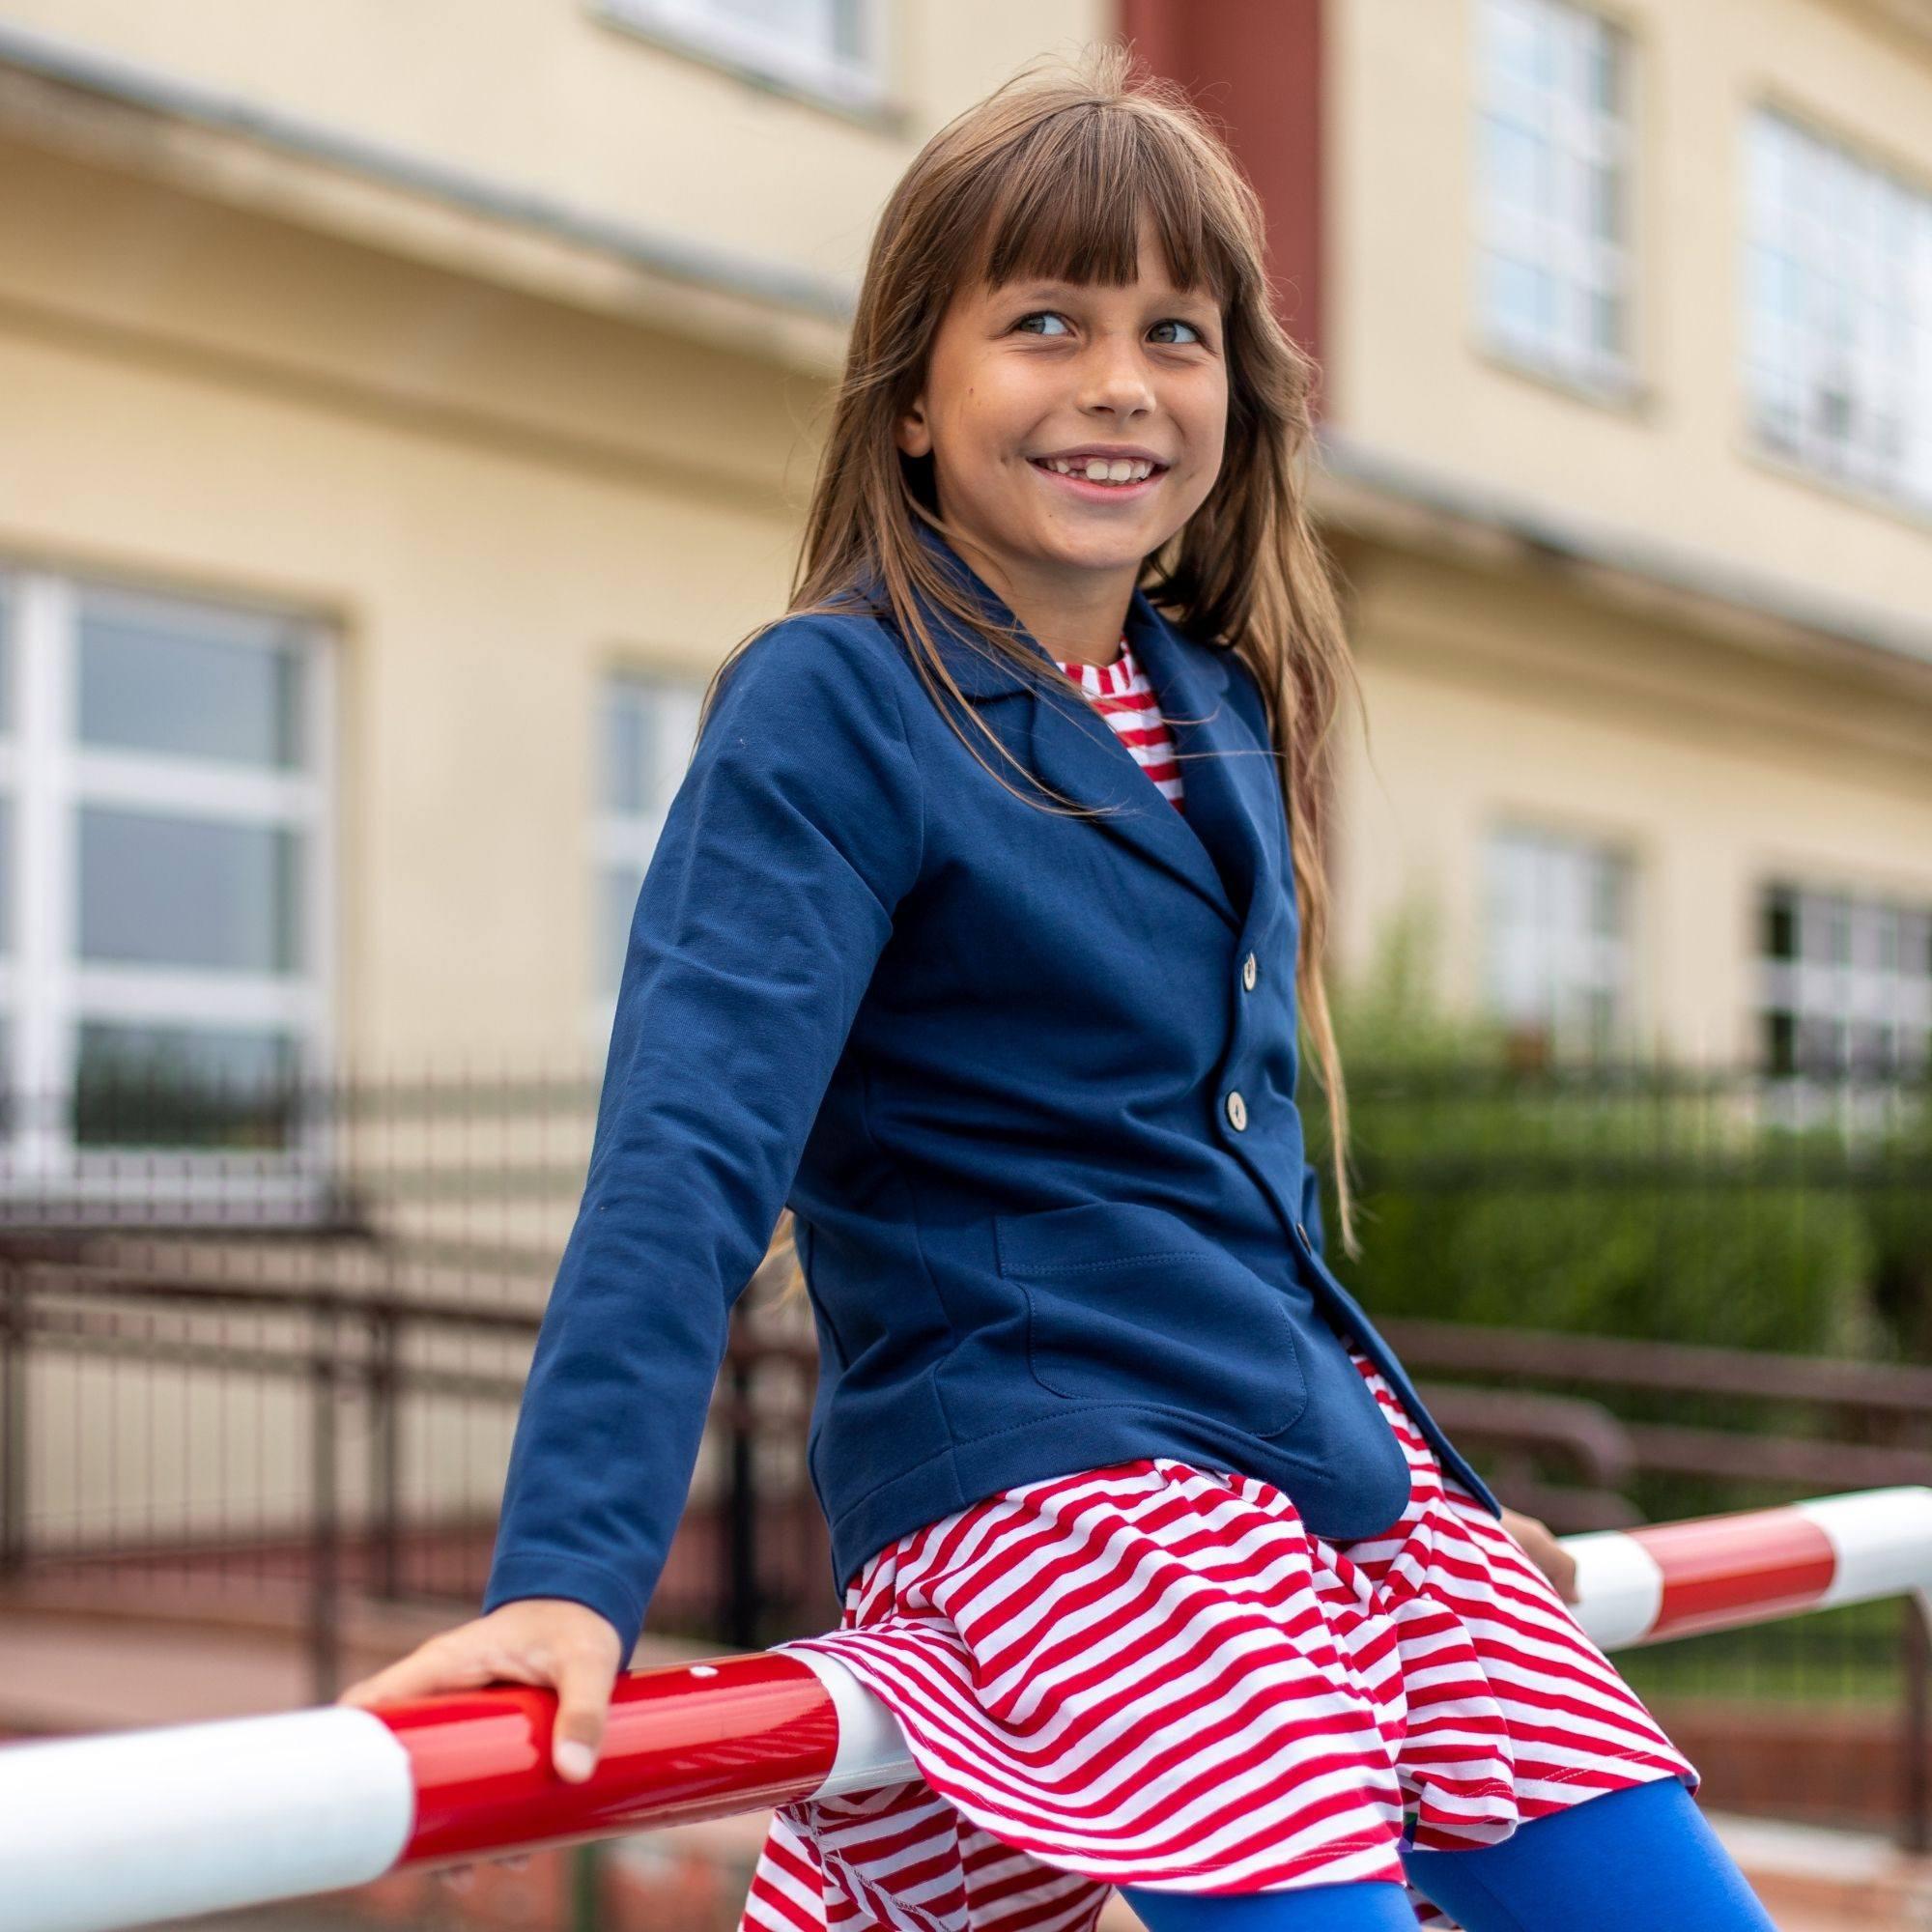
x=1155 y=1674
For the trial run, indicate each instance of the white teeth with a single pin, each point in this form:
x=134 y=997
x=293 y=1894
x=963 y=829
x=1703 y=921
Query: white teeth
x=1098 y=470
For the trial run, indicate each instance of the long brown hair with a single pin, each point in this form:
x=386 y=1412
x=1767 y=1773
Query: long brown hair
x=1049 y=176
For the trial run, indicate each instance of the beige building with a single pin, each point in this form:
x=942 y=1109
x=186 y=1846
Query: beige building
x=402 y=411
x=1626 y=315
x=400 y=422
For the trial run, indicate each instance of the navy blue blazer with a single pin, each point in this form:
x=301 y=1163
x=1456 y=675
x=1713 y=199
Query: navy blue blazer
x=1027 y=1082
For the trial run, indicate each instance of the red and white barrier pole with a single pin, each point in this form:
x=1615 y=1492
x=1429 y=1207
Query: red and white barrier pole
x=1670 y=1579
x=132 y=1827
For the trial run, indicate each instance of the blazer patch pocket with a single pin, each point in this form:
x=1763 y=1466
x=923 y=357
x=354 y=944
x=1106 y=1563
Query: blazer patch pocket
x=1128 y=1303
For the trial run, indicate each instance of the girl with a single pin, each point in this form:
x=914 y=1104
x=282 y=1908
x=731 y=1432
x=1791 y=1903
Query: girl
x=977 y=934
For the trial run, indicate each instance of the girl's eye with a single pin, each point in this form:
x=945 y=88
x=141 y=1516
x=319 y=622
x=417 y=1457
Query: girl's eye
x=1172 y=322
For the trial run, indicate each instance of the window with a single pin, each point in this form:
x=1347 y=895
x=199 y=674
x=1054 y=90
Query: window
x=647 y=726
x=164 y=893
x=834 y=48
x=1558 y=930
x=1846 y=982
x=1553 y=283
x=1839 y=274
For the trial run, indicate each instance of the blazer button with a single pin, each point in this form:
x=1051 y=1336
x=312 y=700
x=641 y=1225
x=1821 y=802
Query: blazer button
x=1237 y=1110
x=1303 y=1233
x=1248 y=972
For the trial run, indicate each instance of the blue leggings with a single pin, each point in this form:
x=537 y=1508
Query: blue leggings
x=1640 y=1856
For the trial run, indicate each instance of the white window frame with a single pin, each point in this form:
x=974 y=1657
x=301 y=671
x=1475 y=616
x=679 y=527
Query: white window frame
x=1565 y=961
x=1847 y=989
x=1836 y=337
x=1574 y=139
x=793 y=63
x=46 y=990
x=628 y=839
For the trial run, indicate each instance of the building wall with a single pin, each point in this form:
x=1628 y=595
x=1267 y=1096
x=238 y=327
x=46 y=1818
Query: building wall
x=1406 y=373
x=1716 y=752
x=1497 y=702
x=565 y=100
x=495 y=459
x=487 y=479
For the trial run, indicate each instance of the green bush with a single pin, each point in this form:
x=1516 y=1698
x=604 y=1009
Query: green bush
x=1610 y=1200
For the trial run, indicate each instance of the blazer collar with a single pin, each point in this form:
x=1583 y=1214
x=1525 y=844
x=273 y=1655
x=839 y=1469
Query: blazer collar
x=980 y=674
x=1215 y=845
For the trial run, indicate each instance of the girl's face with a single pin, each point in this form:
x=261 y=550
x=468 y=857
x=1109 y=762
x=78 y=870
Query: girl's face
x=1037 y=371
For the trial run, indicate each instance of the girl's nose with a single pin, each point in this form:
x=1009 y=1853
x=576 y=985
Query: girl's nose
x=1117 y=379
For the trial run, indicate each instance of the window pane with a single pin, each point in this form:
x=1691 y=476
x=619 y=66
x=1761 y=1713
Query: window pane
x=184 y=1086
x=1510 y=155
x=1835 y=308
x=1558 y=930
x=618 y=902
x=1553 y=183
x=627 y=779
x=1605 y=72
x=157 y=687
x=812 y=33
x=647 y=723
x=162 y=891
x=782 y=20
x=647 y=726
x=848 y=30
x=1846 y=982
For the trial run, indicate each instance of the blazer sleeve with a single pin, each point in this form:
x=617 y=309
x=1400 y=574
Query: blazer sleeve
x=795 y=832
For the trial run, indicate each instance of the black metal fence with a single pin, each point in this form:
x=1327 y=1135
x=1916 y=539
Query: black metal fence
x=276 y=1356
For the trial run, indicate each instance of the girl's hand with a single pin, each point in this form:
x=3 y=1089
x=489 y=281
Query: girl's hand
x=550 y=1640
x=1544 y=1551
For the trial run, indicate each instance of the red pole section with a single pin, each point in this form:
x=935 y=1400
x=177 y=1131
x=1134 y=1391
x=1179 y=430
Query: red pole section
x=735 y=1734
x=1710 y=1572
x=128 y=1829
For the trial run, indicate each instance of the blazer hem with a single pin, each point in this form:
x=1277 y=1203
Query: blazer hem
x=1086 y=1435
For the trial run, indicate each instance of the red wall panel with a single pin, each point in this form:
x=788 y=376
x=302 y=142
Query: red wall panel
x=1255 y=67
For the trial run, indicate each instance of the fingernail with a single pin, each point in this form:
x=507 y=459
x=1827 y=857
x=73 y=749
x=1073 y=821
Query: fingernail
x=574 y=1759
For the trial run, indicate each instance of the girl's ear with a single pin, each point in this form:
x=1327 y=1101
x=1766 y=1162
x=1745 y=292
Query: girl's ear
x=912 y=432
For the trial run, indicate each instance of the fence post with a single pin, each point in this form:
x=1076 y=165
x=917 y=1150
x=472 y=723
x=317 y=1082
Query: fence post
x=12 y=1422
x=325 y=1597
x=742 y=1607
x=385 y=1449
x=1917 y=1733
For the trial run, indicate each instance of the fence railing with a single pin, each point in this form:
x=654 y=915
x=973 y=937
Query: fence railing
x=207 y=1388
x=124 y=1830
x=366 y=1427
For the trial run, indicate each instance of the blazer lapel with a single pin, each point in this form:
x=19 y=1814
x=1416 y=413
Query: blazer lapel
x=1214 y=846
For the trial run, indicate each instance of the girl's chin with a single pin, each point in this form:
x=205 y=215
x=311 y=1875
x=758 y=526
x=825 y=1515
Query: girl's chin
x=1126 y=542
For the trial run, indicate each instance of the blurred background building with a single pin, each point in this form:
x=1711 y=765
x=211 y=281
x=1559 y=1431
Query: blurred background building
x=405 y=415
x=404 y=408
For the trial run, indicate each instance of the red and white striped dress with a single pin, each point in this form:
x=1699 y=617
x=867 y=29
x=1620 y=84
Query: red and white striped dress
x=1154 y=1673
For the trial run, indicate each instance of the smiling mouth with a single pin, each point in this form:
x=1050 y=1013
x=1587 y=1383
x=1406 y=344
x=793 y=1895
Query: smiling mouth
x=1096 y=479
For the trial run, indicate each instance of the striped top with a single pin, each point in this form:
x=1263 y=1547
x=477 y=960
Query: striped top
x=1121 y=693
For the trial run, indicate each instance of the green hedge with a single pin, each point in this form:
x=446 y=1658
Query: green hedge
x=1611 y=1199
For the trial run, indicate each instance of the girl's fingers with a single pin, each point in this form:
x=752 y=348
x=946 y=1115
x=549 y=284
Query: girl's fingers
x=433 y=1666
